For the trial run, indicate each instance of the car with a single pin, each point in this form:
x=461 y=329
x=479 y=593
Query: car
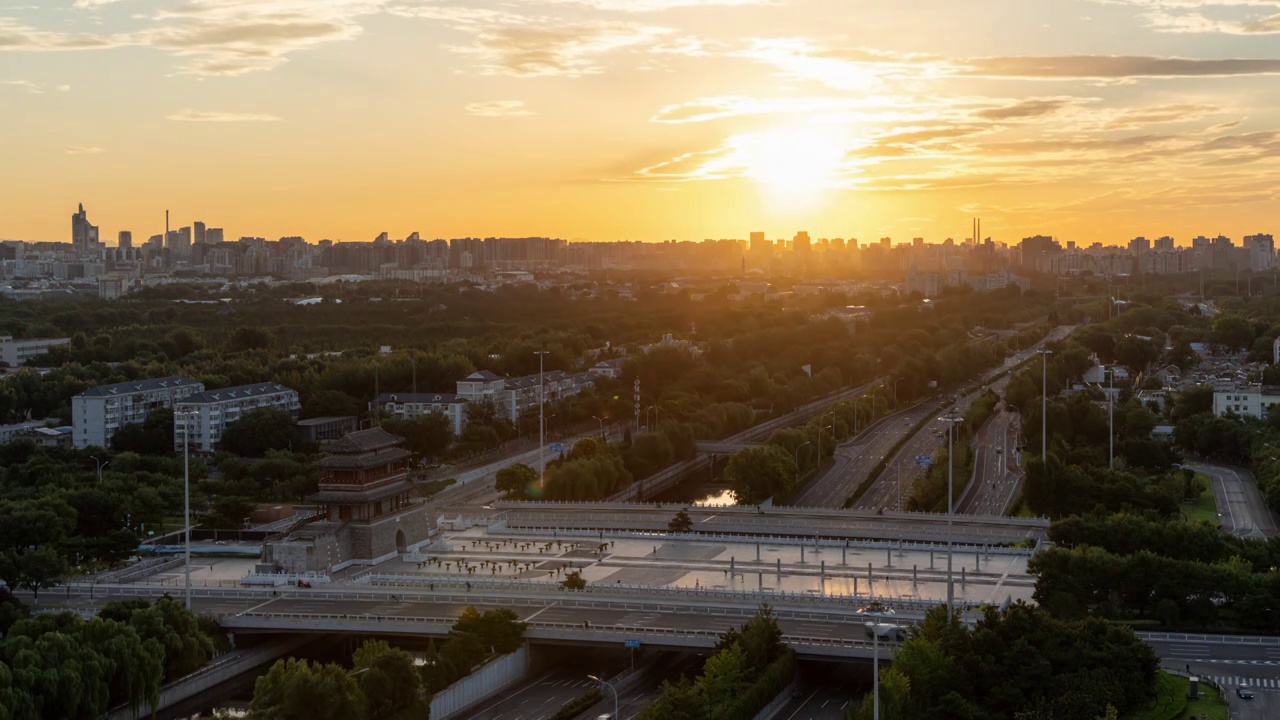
x=886 y=632
x=999 y=451
x=1244 y=693
x=875 y=608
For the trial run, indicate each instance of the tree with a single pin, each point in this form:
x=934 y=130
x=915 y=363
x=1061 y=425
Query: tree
x=515 y=480
x=153 y=436
x=573 y=581
x=758 y=473
x=389 y=683
x=250 y=338
x=258 y=431
x=1232 y=332
x=329 y=403
x=498 y=630
x=294 y=688
x=41 y=568
x=681 y=523
x=185 y=646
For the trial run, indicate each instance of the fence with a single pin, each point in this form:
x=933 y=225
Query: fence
x=480 y=685
x=141 y=569
x=278 y=579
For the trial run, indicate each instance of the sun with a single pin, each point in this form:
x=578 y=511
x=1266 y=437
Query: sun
x=795 y=165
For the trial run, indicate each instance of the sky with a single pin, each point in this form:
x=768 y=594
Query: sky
x=1088 y=120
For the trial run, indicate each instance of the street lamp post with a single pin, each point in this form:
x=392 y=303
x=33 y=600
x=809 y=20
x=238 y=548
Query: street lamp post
x=100 y=465
x=951 y=419
x=1044 y=402
x=875 y=668
x=806 y=442
x=542 y=438
x=593 y=417
x=1111 y=414
x=186 y=502
x=612 y=690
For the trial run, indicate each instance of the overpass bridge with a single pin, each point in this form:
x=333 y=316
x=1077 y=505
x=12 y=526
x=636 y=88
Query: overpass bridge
x=790 y=521
x=724 y=447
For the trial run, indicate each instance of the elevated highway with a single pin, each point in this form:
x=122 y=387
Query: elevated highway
x=750 y=520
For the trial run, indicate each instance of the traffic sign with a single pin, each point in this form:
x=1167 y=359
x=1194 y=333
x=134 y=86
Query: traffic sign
x=633 y=644
x=557 y=447
x=924 y=460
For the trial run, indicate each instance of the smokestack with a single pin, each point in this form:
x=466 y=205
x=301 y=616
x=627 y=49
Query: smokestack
x=166 y=226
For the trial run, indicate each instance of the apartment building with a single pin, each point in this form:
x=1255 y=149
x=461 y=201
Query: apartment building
x=411 y=405
x=97 y=413
x=15 y=353
x=516 y=396
x=206 y=415
x=1246 y=400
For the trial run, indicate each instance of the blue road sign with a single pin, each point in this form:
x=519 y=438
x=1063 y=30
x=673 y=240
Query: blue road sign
x=924 y=460
x=633 y=644
x=557 y=447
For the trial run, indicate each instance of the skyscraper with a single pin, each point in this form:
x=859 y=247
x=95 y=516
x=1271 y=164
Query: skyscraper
x=758 y=242
x=213 y=235
x=801 y=242
x=84 y=236
x=199 y=237
x=125 y=240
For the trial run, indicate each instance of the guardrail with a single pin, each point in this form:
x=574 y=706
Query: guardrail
x=751 y=510
x=905 y=546
x=1259 y=640
x=534 y=629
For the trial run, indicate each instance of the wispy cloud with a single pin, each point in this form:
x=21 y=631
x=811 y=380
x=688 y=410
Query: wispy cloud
x=1229 y=17
x=189 y=115
x=499 y=108
x=84 y=150
x=570 y=50
x=26 y=85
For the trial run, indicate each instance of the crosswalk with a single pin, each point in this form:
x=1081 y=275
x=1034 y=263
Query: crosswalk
x=1230 y=683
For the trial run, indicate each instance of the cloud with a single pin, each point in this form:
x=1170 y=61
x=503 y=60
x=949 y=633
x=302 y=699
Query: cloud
x=84 y=150
x=189 y=115
x=1033 y=108
x=1111 y=67
x=26 y=85
x=570 y=50
x=1228 y=17
x=498 y=109
x=640 y=6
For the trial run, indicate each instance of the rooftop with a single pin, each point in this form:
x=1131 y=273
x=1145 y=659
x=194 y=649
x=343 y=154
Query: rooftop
x=325 y=420
x=136 y=386
x=429 y=398
x=363 y=441
x=235 y=393
x=484 y=375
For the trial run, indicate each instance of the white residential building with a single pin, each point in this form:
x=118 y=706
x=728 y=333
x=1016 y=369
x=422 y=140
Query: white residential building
x=97 y=413
x=1246 y=401
x=16 y=353
x=516 y=396
x=411 y=405
x=207 y=414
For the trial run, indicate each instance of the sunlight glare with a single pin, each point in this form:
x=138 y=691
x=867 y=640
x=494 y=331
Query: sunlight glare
x=794 y=165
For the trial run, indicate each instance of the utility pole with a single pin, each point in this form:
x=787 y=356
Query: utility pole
x=1111 y=414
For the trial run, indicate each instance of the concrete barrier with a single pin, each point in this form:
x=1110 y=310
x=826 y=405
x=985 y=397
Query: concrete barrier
x=479 y=686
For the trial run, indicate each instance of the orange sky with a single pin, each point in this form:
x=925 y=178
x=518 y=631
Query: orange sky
x=642 y=119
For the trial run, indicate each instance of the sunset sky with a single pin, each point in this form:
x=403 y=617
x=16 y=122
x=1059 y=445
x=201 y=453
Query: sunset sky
x=642 y=119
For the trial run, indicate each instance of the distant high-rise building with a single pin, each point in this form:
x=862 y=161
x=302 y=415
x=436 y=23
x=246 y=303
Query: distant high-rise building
x=84 y=236
x=759 y=243
x=1164 y=244
x=199 y=234
x=213 y=235
x=1200 y=242
x=1071 y=244
x=919 y=242
x=1262 y=251
x=1036 y=249
x=1139 y=245
x=886 y=243
x=801 y=242
x=124 y=240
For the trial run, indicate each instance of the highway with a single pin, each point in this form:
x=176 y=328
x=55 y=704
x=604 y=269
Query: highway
x=548 y=689
x=1240 y=503
x=475 y=485
x=857 y=457
x=998 y=479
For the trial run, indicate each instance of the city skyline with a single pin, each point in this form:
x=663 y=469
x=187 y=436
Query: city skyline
x=643 y=119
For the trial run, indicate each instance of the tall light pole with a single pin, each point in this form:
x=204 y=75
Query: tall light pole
x=875 y=670
x=542 y=439
x=186 y=502
x=612 y=690
x=100 y=465
x=593 y=417
x=1044 y=402
x=822 y=427
x=806 y=442
x=951 y=419
x=1111 y=414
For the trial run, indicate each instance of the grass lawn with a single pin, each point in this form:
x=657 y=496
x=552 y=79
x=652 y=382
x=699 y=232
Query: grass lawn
x=1205 y=507
x=1172 y=704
